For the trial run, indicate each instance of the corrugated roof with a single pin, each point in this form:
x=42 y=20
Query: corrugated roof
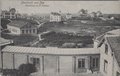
x=114 y=43
x=56 y=51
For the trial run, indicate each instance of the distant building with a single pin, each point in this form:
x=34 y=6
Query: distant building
x=68 y=16
x=18 y=15
x=83 y=13
x=93 y=14
x=99 y=14
x=11 y=14
x=55 y=17
x=22 y=27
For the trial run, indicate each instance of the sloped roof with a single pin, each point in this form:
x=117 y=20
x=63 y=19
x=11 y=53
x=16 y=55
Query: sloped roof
x=22 y=23
x=113 y=32
x=68 y=14
x=4 y=41
x=55 y=13
x=114 y=43
x=50 y=51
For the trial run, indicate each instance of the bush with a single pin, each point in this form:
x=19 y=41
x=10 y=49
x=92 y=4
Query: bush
x=26 y=69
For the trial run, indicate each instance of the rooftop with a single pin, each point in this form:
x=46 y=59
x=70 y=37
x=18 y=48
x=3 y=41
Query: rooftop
x=21 y=23
x=115 y=32
x=114 y=43
x=55 y=13
x=50 y=51
x=4 y=41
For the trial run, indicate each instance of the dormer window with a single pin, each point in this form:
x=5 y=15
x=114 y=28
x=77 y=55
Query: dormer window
x=106 y=48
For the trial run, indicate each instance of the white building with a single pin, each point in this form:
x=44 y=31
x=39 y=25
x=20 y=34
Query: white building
x=11 y=14
x=22 y=27
x=55 y=17
x=93 y=14
x=68 y=16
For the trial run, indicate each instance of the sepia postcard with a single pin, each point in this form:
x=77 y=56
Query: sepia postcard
x=60 y=38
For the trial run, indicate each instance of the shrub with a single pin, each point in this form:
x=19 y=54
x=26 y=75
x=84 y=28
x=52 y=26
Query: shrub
x=26 y=69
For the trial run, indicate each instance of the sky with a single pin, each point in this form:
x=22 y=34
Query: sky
x=107 y=7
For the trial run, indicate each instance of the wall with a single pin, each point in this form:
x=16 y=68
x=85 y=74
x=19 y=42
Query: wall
x=116 y=67
x=66 y=64
x=48 y=63
x=7 y=61
x=14 y=30
x=55 y=18
x=29 y=29
x=107 y=57
x=20 y=59
x=0 y=60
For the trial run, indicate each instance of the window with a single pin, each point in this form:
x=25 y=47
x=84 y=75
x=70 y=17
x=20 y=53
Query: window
x=35 y=61
x=7 y=13
x=105 y=65
x=23 y=31
x=33 y=30
x=95 y=62
x=30 y=31
x=106 y=48
x=13 y=17
x=26 y=31
x=81 y=63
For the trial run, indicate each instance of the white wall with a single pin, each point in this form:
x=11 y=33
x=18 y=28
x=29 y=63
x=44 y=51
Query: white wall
x=66 y=64
x=55 y=18
x=7 y=61
x=0 y=60
x=14 y=30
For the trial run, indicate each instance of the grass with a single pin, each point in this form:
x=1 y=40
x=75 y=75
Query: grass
x=58 y=39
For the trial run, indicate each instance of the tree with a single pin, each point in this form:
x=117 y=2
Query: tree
x=83 y=11
x=99 y=14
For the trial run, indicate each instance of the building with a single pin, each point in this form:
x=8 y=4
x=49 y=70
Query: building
x=22 y=27
x=11 y=14
x=68 y=16
x=55 y=17
x=3 y=43
x=102 y=60
x=93 y=14
x=108 y=44
x=52 y=60
x=83 y=13
x=99 y=14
